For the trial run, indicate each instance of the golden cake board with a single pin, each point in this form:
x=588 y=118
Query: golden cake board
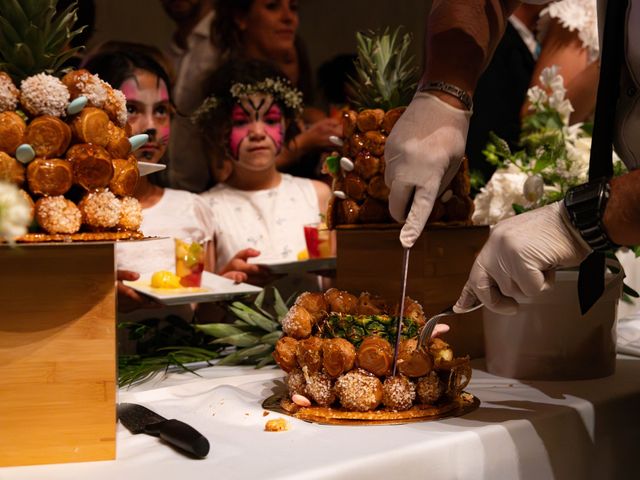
x=57 y=353
x=370 y=257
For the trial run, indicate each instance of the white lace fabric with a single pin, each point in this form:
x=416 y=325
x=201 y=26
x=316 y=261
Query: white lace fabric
x=574 y=15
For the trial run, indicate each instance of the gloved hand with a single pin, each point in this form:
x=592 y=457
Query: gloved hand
x=520 y=257
x=423 y=151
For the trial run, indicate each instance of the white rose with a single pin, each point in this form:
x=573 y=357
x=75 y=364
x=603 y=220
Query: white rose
x=495 y=200
x=15 y=212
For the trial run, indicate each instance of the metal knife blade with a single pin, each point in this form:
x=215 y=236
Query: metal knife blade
x=139 y=419
x=403 y=280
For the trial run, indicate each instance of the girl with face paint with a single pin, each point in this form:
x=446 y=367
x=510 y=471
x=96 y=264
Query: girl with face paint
x=137 y=71
x=248 y=123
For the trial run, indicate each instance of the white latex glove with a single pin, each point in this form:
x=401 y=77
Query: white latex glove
x=520 y=256
x=423 y=151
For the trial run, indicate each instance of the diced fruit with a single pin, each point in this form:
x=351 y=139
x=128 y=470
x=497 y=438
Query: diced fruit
x=191 y=280
x=165 y=279
x=325 y=249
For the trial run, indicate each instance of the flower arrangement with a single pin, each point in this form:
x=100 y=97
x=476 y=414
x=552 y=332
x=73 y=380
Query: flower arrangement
x=15 y=212
x=554 y=156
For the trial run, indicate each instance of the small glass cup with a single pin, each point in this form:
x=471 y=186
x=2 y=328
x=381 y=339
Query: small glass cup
x=318 y=238
x=189 y=262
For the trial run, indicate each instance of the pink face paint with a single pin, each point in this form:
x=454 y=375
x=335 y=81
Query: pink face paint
x=240 y=129
x=257 y=124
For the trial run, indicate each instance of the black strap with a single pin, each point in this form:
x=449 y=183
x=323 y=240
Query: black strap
x=592 y=270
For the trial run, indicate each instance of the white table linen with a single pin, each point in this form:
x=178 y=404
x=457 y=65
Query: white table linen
x=522 y=430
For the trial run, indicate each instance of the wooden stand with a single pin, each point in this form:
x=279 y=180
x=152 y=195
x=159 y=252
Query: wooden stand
x=57 y=353
x=370 y=258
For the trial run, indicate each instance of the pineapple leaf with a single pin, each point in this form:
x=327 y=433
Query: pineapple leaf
x=386 y=75
x=252 y=317
x=279 y=306
x=9 y=35
x=12 y=10
x=266 y=360
x=271 y=338
x=244 y=339
x=218 y=330
x=244 y=354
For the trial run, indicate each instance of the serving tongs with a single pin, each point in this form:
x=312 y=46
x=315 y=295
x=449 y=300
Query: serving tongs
x=427 y=330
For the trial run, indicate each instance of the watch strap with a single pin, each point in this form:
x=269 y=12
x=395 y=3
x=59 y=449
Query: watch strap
x=585 y=205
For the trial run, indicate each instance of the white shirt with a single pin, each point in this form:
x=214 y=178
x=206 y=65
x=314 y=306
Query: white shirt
x=178 y=214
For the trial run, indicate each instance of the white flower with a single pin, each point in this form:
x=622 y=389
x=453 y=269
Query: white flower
x=536 y=96
x=495 y=200
x=562 y=105
x=15 y=212
x=548 y=76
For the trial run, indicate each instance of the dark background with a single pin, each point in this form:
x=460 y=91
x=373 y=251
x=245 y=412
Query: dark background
x=327 y=26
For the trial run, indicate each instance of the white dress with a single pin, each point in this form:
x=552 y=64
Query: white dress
x=178 y=214
x=574 y=15
x=271 y=221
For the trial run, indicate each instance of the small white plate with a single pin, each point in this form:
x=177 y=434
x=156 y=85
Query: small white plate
x=145 y=168
x=295 y=266
x=214 y=288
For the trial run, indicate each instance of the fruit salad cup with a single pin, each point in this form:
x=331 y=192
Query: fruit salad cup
x=318 y=238
x=189 y=262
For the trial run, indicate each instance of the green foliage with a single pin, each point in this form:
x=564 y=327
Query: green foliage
x=254 y=332
x=33 y=37
x=386 y=74
x=173 y=343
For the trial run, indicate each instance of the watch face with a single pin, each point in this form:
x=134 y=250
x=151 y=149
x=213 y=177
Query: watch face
x=585 y=193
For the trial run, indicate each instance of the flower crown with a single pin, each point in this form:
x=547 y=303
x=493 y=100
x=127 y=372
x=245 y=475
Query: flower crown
x=279 y=88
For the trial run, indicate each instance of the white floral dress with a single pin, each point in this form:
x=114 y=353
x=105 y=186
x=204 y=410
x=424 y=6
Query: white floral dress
x=574 y=15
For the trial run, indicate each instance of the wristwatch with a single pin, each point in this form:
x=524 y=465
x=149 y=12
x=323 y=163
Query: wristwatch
x=585 y=205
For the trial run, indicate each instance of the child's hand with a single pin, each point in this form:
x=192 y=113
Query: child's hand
x=237 y=277
x=128 y=298
x=256 y=274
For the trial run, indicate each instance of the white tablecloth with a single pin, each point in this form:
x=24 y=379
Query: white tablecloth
x=522 y=430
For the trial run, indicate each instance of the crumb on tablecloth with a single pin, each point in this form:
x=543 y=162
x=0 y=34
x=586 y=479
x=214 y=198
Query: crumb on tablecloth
x=265 y=413
x=276 y=425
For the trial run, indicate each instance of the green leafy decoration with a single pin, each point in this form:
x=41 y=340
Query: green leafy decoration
x=249 y=339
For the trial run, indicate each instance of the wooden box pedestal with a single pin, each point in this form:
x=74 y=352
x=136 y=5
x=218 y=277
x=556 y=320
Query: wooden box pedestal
x=369 y=259
x=57 y=353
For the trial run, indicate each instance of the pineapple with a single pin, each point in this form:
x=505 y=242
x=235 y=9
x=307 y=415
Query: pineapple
x=33 y=37
x=385 y=82
x=355 y=328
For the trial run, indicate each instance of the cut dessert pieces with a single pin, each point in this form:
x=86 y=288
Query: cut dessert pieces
x=342 y=360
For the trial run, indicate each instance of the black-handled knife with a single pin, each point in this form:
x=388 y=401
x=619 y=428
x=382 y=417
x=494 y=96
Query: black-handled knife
x=139 y=419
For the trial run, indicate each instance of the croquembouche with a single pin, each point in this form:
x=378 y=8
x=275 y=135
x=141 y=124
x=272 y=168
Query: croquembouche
x=384 y=84
x=64 y=137
x=337 y=352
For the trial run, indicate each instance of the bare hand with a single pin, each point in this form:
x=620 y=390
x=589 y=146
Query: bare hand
x=128 y=299
x=254 y=274
x=316 y=136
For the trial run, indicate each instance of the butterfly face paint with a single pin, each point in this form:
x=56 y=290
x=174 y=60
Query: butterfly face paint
x=257 y=132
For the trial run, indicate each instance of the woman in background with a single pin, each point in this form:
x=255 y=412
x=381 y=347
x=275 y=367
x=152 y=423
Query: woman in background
x=266 y=30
